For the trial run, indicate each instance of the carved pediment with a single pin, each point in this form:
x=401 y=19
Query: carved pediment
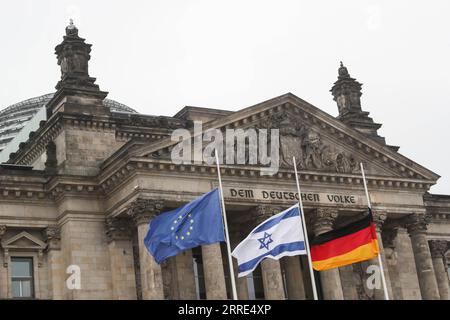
x=23 y=240
x=315 y=149
x=319 y=141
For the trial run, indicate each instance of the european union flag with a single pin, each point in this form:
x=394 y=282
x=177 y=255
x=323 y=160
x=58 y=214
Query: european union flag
x=196 y=223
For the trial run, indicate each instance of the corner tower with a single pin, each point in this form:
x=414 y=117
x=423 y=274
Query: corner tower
x=76 y=90
x=347 y=94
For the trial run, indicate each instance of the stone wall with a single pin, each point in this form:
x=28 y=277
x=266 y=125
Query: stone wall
x=83 y=243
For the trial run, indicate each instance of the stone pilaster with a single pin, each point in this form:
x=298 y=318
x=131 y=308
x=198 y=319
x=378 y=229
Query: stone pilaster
x=270 y=269
x=438 y=249
x=118 y=233
x=417 y=227
x=330 y=279
x=55 y=260
x=142 y=211
x=213 y=271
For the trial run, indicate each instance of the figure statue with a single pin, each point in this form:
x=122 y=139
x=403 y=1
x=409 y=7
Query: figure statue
x=71 y=30
x=313 y=152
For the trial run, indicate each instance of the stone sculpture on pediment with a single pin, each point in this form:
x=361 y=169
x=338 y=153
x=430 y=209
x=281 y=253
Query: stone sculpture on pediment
x=312 y=153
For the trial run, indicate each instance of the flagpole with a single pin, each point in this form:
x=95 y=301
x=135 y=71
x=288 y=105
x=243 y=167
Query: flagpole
x=305 y=232
x=380 y=262
x=224 y=214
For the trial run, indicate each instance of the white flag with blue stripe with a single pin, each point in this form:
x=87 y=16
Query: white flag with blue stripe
x=280 y=235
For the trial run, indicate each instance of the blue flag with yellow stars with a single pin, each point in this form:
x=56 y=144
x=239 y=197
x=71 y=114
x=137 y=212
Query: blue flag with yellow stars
x=196 y=223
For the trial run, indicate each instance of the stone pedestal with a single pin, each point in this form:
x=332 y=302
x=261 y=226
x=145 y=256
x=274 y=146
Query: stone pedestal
x=438 y=249
x=142 y=210
x=417 y=226
x=330 y=279
x=213 y=271
x=294 y=278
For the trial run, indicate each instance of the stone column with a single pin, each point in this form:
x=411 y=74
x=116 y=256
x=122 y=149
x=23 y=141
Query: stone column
x=407 y=282
x=417 y=227
x=379 y=218
x=241 y=283
x=55 y=262
x=270 y=269
x=349 y=280
x=294 y=278
x=330 y=279
x=438 y=249
x=213 y=271
x=118 y=233
x=389 y=248
x=184 y=271
x=142 y=211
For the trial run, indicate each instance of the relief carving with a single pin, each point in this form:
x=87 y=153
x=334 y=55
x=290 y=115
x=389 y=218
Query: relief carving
x=308 y=147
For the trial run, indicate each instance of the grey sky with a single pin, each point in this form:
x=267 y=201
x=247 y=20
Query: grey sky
x=158 y=56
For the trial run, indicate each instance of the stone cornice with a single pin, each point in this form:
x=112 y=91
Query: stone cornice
x=111 y=179
x=35 y=146
x=40 y=187
x=125 y=129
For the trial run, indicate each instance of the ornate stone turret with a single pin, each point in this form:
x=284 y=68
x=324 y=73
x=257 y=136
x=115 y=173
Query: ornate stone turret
x=77 y=91
x=347 y=94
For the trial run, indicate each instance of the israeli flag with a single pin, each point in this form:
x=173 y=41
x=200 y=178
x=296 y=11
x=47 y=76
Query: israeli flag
x=280 y=235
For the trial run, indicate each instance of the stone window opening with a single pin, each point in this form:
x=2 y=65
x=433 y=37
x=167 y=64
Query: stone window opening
x=22 y=277
x=23 y=258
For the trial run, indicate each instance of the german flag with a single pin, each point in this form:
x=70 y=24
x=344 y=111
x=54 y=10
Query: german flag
x=352 y=243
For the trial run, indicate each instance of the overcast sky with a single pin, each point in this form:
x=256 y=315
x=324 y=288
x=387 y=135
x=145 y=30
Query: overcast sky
x=158 y=56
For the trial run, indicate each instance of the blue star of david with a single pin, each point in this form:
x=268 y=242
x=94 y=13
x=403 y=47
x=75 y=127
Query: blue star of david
x=265 y=241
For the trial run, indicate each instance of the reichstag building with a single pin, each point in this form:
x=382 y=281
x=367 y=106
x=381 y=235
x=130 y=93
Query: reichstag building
x=81 y=176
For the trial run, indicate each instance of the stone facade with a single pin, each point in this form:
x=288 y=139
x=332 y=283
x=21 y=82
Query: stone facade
x=82 y=190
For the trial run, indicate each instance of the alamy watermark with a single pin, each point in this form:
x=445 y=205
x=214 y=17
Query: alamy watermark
x=73 y=282
x=234 y=146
